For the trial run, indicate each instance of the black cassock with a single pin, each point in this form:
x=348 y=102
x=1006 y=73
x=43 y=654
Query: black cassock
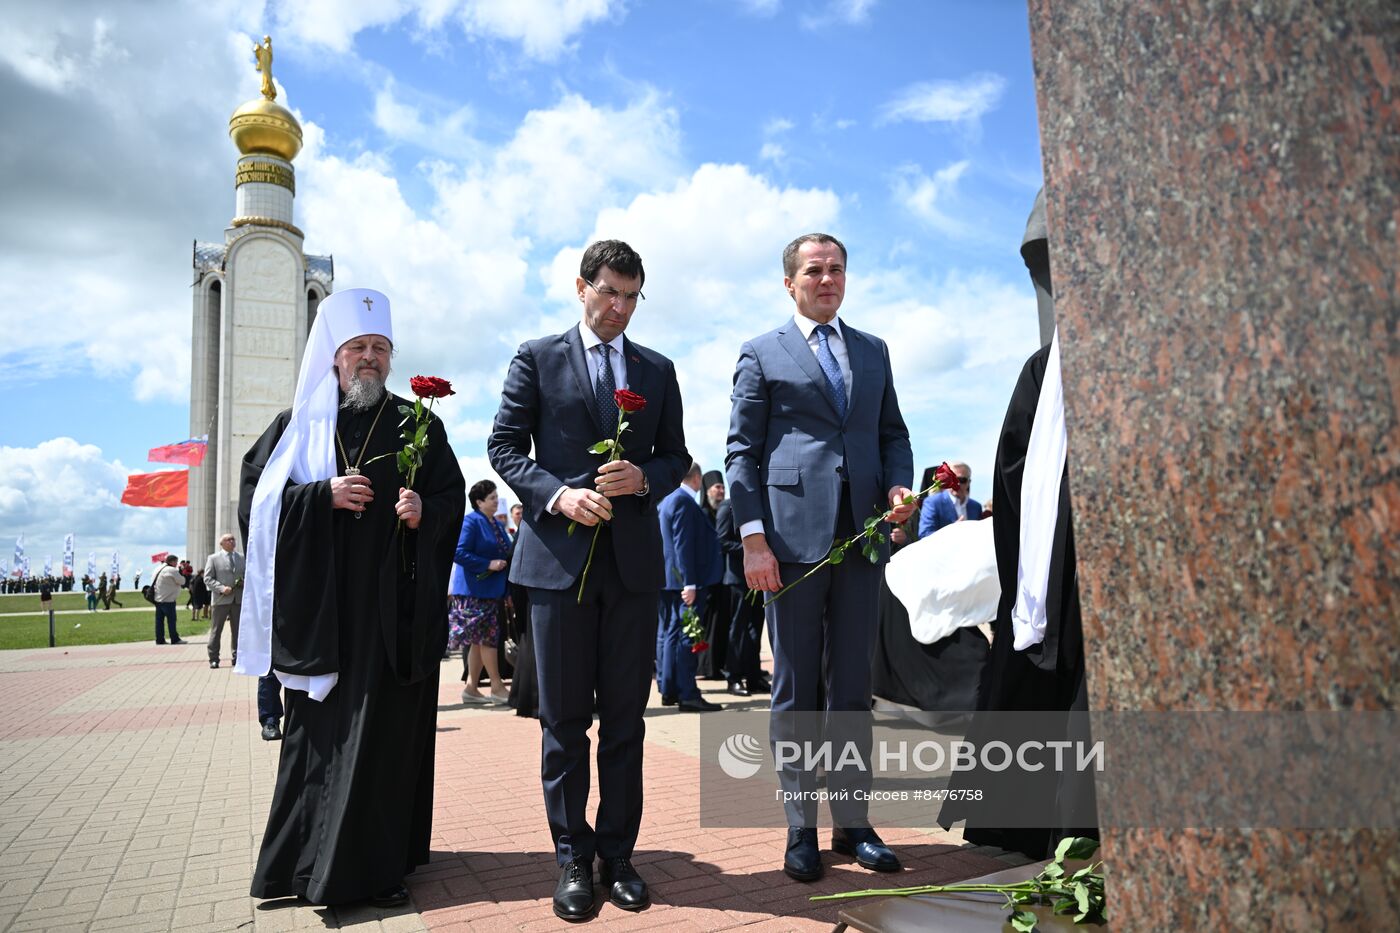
x=1048 y=677
x=352 y=809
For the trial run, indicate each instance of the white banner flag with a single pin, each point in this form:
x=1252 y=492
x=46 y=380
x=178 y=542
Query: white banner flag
x=92 y=565
x=116 y=565
x=48 y=565
x=68 y=554
x=19 y=555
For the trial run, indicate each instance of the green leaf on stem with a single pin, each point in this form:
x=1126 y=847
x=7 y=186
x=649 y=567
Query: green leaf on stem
x=1080 y=847
x=621 y=426
x=1053 y=870
x=871 y=522
x=403 y=461
x=908 y=500
x=1081 y=896
x=1023 y=921
x=406 y=410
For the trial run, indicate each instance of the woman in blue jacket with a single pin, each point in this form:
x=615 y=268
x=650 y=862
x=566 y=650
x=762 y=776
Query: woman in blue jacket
x=474 y=620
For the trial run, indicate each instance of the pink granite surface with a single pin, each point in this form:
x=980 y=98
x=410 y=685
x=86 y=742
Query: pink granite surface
x=1221 y=183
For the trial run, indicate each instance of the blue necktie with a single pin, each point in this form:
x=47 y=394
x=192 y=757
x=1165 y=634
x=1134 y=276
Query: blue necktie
x=834 y=381
x=605 y=388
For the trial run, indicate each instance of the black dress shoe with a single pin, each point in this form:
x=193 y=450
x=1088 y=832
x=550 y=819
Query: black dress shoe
x=270 y=732
x=625 y=887
x=803 y=862
x=698 y=705
x=668 y=699
x=573 y=895
x=737 y=688
x=178 y=641
x=759 y=685
x=390 y=897
x=869 y=851
x=214 y=665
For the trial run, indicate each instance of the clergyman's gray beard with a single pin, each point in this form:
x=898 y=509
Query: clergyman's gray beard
x=363 y=394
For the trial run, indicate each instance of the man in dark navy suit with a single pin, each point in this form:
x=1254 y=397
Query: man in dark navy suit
x=947 y=506
x=691 y=550
x=817 y=445
x=596 y=638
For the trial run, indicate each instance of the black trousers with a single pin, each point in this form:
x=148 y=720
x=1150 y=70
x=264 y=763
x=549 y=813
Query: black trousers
x=745 y=634
x=601 y=648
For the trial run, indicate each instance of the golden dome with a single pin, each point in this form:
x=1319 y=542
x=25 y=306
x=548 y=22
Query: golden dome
x=265 y=126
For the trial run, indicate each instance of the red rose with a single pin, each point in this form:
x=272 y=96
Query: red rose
x=629 y=401
x=430 y=387
x=946 y=477
x=699 y=646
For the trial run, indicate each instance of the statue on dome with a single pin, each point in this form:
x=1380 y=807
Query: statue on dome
x=264 y=56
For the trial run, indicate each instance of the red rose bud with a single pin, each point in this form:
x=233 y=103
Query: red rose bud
x=629 y=401
x=699 y=646
x=946 y=477
x=430 y=387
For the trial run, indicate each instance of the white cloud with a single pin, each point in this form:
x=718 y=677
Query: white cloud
x=946 y=101
x=760 y=7
x=926 y=196
x=444 y=130
x=545 y=29
x=712 y=245
x=457 y=271
x=773 y=152
x=62 y=486
x=777 y=126
x=848 y=12
x=116 y=158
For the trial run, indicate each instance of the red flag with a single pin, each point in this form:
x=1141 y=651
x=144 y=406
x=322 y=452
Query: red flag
x=159 y=558
x=190 y=452
x=166 y=490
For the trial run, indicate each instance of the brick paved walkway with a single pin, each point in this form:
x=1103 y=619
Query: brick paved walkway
x=134 y=786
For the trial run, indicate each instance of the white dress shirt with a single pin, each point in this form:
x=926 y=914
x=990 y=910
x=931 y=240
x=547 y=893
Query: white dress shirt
x=837 y=343
x=594 y=357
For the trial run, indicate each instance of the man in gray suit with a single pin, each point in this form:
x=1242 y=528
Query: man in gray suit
x=817 y=444
x=223 y=574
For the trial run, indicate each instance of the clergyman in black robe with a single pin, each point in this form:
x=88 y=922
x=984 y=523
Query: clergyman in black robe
x=1049 y=676
x=358 y=595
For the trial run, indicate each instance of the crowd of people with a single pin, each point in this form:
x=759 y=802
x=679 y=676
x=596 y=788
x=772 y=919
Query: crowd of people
x=623 y=568
x=18 y=583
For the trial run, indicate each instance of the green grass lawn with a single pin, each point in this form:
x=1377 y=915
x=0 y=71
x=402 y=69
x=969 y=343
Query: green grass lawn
x=90 y=628
x=29 y=602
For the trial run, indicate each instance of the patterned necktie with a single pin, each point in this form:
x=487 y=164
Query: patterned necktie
x=605 y=387
x=834 y=381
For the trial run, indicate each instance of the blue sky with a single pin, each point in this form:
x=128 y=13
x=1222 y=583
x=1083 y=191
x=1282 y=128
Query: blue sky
x=460 y=154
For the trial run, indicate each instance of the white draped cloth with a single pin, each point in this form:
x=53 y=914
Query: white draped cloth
x=304 y=454
x=1046 y=453
x=949 y=580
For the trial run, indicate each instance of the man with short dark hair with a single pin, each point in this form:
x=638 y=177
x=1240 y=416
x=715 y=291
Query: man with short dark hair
x=816 y=445
x=167 y=584
x=691 y=551
x=593 y=638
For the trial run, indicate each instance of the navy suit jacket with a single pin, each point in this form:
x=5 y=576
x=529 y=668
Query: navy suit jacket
x=688 y=542
x=938 y=511
x=540 y=440
x=789 y=450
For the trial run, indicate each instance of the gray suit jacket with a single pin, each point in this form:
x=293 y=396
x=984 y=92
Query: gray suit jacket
x=219 y=573
x=789 y=452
